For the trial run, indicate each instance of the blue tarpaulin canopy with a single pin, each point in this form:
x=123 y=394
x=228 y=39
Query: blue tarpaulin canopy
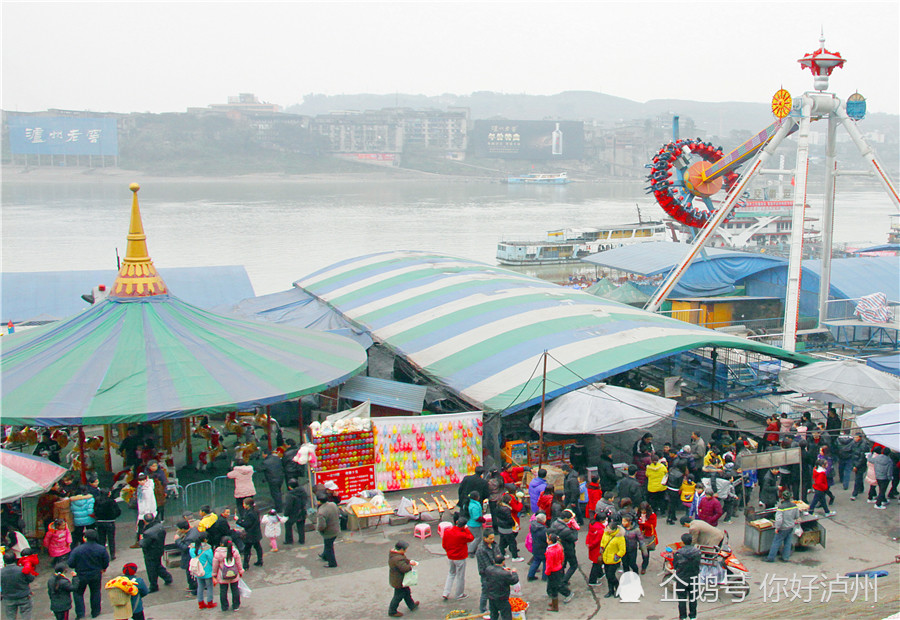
x=482 y=331
x=712 y=273
x=886 y=363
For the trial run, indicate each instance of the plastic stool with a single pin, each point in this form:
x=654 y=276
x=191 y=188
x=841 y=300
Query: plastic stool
x=442 y=527
x=423 y=530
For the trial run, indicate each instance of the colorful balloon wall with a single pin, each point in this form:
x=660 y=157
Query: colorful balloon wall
x=424 y=451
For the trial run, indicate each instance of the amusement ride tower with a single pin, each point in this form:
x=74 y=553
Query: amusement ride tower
x=714 y=170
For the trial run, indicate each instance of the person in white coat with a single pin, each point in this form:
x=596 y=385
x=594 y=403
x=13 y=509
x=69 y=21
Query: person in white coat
x=146 y=502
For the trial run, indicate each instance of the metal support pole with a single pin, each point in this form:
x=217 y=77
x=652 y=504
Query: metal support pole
x=81 y=455
x=869 y=155
x=107 y=457
x=269 y=429
x=792 y=291
x=189 y=449
x=543 y=402
x=828 y=217
x=721 y=214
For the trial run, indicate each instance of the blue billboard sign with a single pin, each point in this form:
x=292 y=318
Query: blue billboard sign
x=61 y=135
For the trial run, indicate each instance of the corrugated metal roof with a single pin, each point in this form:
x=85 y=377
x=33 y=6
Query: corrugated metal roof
x=481 y=331
x=394 y=394
x=26 y=295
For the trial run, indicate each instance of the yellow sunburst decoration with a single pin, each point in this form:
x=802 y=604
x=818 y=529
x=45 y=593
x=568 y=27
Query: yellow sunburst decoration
x=782 y=102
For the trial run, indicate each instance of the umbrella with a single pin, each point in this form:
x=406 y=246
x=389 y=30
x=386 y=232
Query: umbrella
x=142 y=354
x=882 y=425
x=845 y=382
x=600 y=409
x=23 y=475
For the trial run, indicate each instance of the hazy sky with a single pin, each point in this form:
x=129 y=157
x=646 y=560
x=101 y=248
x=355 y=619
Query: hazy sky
x=165 y=57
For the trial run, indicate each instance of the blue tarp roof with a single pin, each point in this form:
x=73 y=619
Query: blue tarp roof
x=886 y=363
x=714 y=272
x=852 y=278
x=57 y=294
x=884 y=247
x=298 y=309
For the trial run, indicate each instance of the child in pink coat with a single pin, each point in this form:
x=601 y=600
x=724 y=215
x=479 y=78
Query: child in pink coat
x=58 y=541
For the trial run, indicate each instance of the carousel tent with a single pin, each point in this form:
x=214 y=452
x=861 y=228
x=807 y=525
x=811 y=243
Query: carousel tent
x=144 y=355
x=24 y=475
x=481 y=331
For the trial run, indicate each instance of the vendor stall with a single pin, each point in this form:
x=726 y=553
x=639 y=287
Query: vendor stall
x=759 y=532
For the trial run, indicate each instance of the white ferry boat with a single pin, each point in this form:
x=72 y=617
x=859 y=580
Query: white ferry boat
x=559 y=178
x=570 y=245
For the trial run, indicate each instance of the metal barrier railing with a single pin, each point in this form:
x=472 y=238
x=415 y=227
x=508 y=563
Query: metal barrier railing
x=198 y=494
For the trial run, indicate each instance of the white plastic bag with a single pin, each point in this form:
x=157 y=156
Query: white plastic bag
x=244 y=589
x=516 y=588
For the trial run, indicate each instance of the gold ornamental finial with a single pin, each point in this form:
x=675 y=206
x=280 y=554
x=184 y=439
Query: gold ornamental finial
x=137 y=275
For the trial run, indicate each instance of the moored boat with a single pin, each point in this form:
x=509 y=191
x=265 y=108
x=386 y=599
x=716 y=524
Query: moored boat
x=559 y=178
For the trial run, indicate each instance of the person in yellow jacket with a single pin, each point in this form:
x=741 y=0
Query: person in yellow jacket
x=656 y=484
x=712 y=462
x=613 y=546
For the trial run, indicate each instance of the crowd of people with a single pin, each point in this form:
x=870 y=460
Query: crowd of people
x=613 y=510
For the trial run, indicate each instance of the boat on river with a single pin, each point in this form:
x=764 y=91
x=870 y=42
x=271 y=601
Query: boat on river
x=559 y=178
x=570 y=245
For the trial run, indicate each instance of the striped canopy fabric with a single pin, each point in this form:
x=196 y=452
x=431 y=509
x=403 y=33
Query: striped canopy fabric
x=153 y=358
x=23 y=475
x=481 y=331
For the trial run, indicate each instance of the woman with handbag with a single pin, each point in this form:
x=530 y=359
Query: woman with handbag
x=401 y=576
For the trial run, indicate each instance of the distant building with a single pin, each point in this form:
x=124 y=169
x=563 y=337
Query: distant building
x=245 y=102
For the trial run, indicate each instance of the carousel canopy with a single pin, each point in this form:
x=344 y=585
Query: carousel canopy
x=23 y=475
x=144 y=355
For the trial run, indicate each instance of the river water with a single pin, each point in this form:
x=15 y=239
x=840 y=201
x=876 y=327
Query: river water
x=282 y=230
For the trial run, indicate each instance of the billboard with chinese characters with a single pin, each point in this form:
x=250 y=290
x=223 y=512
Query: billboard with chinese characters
x=531 y=140
x=62 y=135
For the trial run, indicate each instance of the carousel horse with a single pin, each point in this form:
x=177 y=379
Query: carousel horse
x=24 y=436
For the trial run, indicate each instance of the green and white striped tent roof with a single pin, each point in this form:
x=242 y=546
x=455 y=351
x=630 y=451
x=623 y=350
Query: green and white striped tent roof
x=481 y=330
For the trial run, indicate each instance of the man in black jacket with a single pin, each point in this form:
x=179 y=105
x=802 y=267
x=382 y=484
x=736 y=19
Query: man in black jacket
x=90 y=560
x=606 y=472
x=567 y=538
x=153 y=544
x=16 y=588
x=473 y=482
x=572 y=489
x=496 y=582
x=629 y=487
x=185 y=538
x=218 y=529
x=273 y=470
x=484 y=555
x=687 y=568
x=295 y=508
x=292 y=469
x=106 y=511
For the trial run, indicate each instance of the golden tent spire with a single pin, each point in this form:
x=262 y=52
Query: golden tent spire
x=137 y=275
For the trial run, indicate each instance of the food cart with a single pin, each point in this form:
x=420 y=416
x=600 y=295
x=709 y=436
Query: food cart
x=760 y=531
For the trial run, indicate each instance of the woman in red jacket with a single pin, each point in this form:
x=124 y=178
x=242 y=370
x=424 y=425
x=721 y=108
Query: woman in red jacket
x=594 y=494
x=545 y=501
x=646 y=519
x=595 y=552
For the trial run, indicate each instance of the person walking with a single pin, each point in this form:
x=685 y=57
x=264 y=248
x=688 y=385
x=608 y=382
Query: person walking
x=646 y=520
x=15 y=584
x=153 y=545
x=566 y=529
x=137 y=600
x=273 y=469
x=90 y=561
x=595 y=551
x=295 y=507
x=787 y=515
x=201 y=567
x=328 y=524
x=710 y=509
x=556 y=583
x=250 y=523
x=613 y=545
x=505 y=525
x=820 y=489
x=146 y=504
x=484 y=557
x=538 y=531
x=82 y=507
x=497 y=581
x=226 y=572
x=271 y=524
x=883 y=467
x=536 y=489
x=398 y=566
x=106 y=511
x=58 y=541
x=242 y=474
x=456 y=544
x=474 y=510
x=59 y=589
x=686 y=562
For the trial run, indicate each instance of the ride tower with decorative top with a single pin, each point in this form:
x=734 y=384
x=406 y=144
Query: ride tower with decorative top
x=683 y=188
